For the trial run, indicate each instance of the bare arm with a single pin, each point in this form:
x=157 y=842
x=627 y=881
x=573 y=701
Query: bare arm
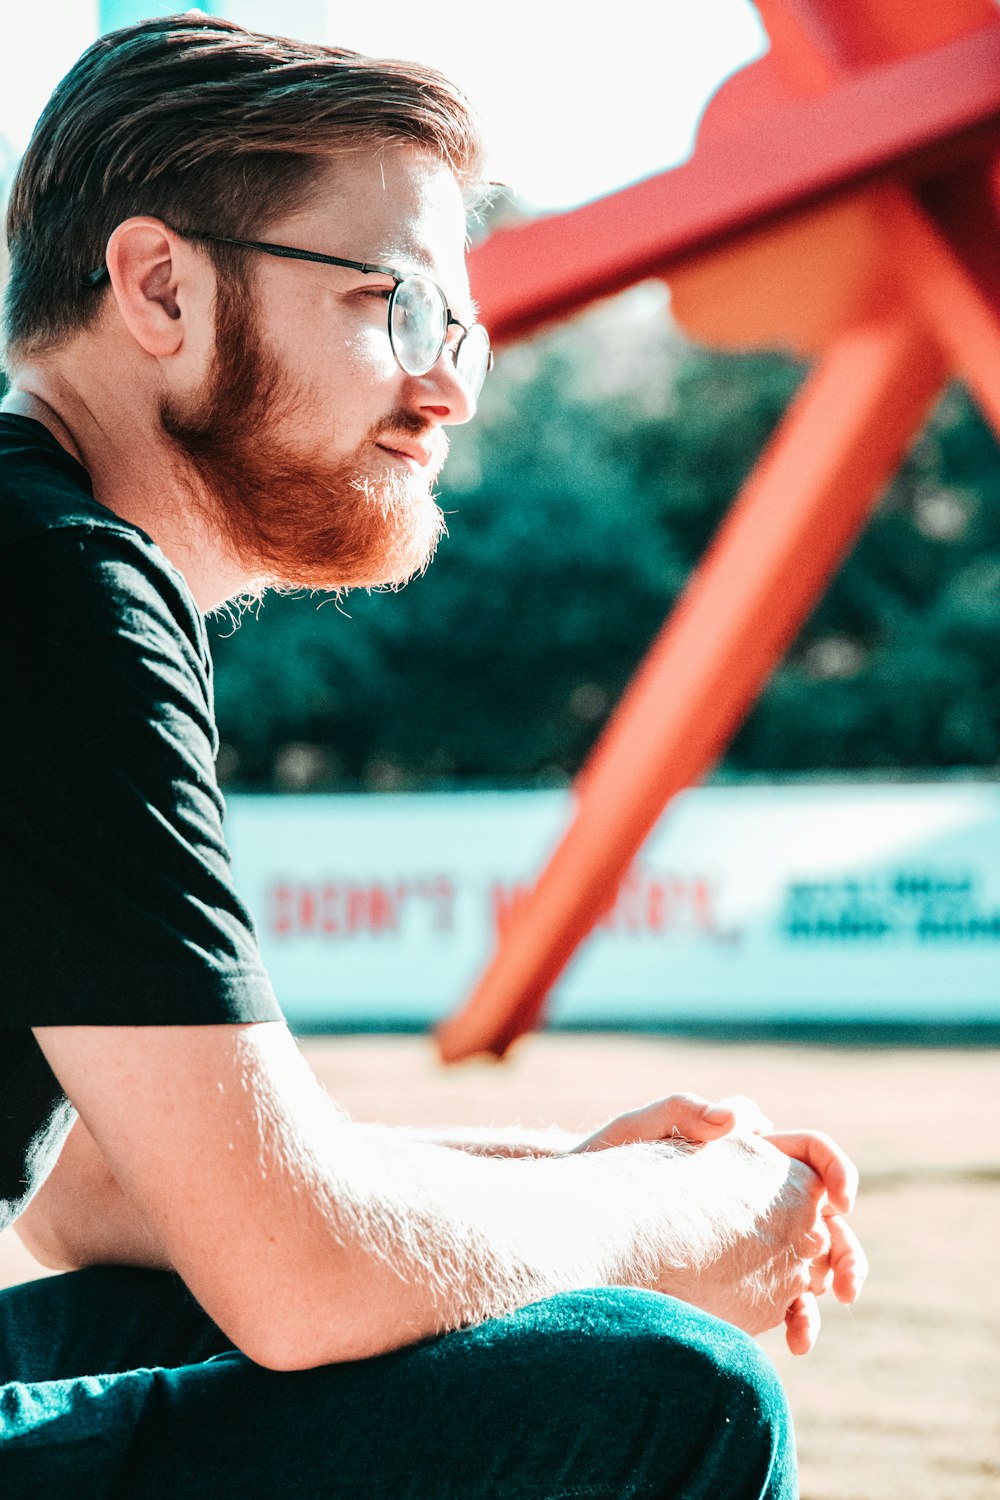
x=273 y=1206
x=81 y=1217
x=495 y=1140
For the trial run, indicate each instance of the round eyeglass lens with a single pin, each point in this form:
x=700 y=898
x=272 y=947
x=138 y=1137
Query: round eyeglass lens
x=472 y=361
x=418 y=317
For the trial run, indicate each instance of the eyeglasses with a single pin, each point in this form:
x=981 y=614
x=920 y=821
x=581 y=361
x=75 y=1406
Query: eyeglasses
x=419 y=315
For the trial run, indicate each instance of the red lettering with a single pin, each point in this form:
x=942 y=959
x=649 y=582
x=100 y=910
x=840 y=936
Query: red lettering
x=307 y=909
x=355 y=905
x=383 y=909
x=703 y=904
x=644 y=903
x=281 y=909
x=329 y=902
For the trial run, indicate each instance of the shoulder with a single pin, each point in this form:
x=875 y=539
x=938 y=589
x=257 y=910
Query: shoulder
x=71 y=571
x=42 y=487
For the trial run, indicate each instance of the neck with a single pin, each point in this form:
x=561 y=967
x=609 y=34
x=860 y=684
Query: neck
x=23 y=403
x=135 y=473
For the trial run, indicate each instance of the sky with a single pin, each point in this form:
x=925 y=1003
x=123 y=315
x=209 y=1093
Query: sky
x=572 y=107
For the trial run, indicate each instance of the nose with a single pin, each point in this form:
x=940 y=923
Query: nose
x=443 y=394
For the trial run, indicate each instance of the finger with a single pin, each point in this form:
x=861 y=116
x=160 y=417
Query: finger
x=848 y=1261
x=698 y=1119
x=750 y=1118
x=802 y=1322
x=820 y=1277
x=687 y=1115
x=820 y=1264
x=833 y=1166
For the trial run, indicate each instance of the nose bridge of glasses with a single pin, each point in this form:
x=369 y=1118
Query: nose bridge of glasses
x=455 y=334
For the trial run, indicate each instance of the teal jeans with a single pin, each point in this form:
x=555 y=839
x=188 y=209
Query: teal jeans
x=115 y=1386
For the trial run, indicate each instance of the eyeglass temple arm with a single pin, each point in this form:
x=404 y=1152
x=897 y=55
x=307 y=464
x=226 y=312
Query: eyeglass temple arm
x=289 y=252
x=283 y=252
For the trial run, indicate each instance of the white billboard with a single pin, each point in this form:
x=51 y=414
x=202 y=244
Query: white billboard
x=791 y=903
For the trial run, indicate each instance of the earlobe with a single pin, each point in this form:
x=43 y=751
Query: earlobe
x=142 y=261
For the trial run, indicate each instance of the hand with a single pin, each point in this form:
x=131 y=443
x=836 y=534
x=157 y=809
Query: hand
x=837 y=1261
x=685 y=1116
x=843 y=1266
x=769 y=1249
x=820 y=1251
x=835 y=1257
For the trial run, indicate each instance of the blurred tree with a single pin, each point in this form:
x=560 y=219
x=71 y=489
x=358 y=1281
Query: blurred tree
x=602 y=460
x=899 y=667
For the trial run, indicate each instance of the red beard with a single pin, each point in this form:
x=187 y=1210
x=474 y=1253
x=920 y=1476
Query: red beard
x=290 y=519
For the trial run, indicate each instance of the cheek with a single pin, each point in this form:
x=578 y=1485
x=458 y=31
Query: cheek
x=367 y=356
x=352 y=370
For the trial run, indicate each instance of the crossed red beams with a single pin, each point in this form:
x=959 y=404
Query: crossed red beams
x=913 y=140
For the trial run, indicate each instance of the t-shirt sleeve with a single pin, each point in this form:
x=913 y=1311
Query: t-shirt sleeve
x=117 y=904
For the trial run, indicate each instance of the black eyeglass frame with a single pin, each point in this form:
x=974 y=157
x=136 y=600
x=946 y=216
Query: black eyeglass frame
x=367 y=268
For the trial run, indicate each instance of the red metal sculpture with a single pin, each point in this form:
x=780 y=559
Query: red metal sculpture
x=842 y=202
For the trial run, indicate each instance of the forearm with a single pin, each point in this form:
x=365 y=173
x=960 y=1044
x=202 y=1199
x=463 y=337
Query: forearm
x=490 y=1140
x=429 y=1239
x=80 y=1216
x=310 y=1239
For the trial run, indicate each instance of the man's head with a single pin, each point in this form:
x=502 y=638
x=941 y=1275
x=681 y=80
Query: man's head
x=275 y=379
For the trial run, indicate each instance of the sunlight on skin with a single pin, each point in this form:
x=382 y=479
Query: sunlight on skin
x=840 y=1264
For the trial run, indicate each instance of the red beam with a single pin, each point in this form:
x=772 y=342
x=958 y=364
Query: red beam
x=890 y=117
x=799 y=512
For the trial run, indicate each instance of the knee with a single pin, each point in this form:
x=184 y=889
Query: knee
x=710 y=1405
x=746 y=1444
x=753 y=1429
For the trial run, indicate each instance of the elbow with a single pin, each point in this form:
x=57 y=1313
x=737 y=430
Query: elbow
x=45 y=1245
x=285 y=1351
x=304 y=1339
x=289 y=1306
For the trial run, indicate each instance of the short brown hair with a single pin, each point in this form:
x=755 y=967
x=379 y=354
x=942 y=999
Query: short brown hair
x=208 y=126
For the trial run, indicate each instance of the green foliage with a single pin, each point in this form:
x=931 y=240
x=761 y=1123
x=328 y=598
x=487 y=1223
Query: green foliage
x=898 y=667
x=603 y=458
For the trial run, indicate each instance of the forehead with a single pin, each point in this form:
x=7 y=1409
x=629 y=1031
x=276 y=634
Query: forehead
x=395 y=205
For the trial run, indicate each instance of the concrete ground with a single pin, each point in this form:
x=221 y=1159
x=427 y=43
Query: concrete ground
x=901 y=1398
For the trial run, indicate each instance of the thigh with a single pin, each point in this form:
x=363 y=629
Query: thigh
x=101 y=1321
x=600 y=1395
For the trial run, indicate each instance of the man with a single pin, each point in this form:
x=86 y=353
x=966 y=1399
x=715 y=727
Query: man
x=238 y=325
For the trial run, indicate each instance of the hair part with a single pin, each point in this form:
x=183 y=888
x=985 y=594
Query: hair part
x=206 y=125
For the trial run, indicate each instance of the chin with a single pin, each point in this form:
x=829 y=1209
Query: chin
x=385 y=537
x=408 y=550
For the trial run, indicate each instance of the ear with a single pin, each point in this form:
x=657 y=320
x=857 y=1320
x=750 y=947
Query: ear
x=145 y=261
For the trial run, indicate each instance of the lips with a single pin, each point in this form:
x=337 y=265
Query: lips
x=422 y=454
x=415 y=453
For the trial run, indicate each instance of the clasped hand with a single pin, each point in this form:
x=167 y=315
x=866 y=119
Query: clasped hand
x=824 y=1254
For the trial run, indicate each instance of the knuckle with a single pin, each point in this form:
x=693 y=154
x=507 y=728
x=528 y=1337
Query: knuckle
x=821 y=1280
x=683 y=1101
x=816 y=1242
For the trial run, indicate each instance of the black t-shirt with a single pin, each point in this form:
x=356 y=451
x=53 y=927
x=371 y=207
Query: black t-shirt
x=116 y=899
